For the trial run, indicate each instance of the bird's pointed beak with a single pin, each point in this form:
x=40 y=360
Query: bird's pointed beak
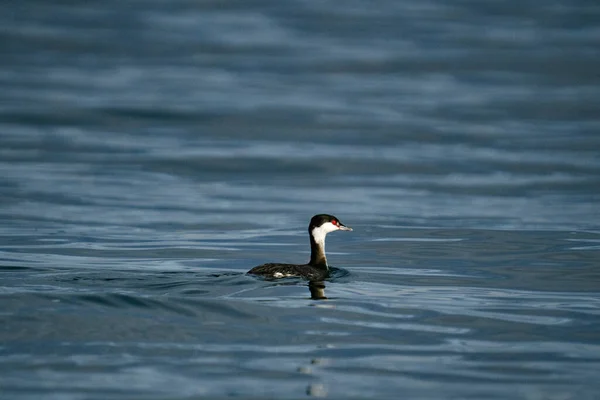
x=344 y=227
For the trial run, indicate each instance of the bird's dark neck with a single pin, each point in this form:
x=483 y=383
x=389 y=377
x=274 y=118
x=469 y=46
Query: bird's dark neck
x=317 y=253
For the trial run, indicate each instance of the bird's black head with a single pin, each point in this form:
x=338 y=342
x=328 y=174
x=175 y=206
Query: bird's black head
x=320 y=219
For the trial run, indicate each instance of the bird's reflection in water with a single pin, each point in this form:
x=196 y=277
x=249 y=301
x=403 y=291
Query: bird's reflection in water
x=317 y=290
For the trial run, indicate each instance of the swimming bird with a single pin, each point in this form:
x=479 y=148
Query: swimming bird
x=317 y=268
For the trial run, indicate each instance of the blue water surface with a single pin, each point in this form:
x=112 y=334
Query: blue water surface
x=153 y=152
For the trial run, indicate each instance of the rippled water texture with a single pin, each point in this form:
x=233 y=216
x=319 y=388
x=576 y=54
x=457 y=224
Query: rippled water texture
x=152 y=152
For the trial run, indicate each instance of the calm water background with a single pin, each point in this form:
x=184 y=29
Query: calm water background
x=152 y=152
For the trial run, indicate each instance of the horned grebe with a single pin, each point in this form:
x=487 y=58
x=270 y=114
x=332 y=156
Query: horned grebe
x=316 y=269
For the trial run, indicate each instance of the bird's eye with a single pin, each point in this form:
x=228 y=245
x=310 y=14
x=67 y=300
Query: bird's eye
x=334 y=222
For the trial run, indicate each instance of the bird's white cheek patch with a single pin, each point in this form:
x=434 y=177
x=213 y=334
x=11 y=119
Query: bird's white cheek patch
x=320 y=232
